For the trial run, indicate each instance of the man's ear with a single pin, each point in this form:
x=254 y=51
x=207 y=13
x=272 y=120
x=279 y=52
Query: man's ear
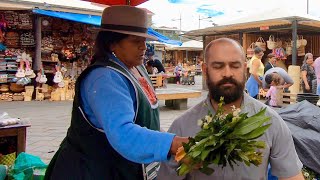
x=204 y=68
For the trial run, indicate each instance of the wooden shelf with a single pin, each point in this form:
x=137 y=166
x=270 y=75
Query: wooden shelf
x=49 y=61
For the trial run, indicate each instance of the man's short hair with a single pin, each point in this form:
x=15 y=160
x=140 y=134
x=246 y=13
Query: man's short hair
x=271 y=55
x=257 y=50
x=228 y=40
x=268 y=78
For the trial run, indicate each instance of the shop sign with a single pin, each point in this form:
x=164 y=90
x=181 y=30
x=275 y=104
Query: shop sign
x=263 y=28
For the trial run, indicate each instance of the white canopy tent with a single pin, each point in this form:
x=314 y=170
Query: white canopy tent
x=187 y=46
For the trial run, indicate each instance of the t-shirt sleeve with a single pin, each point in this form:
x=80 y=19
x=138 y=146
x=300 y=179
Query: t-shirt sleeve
x=304 y=67
x=168 y=169
x=283 y=156
x=264 y=84
x=286 y=77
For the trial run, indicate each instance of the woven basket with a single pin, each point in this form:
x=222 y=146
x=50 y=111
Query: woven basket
x=271 y=43
x=16 y=88
x=301 y=51
x=261 y=43
x=250 y=50
x=303 y=41
x=18 y=97
x=4 y=88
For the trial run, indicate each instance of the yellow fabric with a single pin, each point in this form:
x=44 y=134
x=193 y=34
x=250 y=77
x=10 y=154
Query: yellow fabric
x=260 y=70
x=8 y=159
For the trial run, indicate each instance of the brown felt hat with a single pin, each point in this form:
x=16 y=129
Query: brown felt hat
x=126 y=20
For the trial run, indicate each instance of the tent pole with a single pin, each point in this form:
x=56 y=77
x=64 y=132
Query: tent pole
x=294 y=39
x=204 y=81
x=37 y=61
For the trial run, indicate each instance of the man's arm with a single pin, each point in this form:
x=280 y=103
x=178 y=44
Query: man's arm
x=297 y=177
x=287 y=85
x=283 y=156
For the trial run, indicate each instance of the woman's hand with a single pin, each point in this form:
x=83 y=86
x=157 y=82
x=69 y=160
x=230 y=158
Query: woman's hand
x=176 y=143
x=307 y=87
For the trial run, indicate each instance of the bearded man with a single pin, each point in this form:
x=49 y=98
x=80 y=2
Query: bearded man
x=225 y=69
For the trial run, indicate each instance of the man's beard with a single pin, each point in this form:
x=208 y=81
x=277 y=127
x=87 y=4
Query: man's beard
x=230 y=94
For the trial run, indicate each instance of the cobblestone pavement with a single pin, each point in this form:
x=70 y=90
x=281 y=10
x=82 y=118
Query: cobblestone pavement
x=50 y=120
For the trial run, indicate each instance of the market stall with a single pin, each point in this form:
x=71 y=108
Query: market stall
x=42 y=52
x=288 y=35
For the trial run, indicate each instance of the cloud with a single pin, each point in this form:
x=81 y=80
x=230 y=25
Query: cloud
x=209 y=11
x=168 y=12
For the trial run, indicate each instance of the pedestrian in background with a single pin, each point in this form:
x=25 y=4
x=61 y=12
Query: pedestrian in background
x=307 y=73
x=272 y=61
x=256 y=70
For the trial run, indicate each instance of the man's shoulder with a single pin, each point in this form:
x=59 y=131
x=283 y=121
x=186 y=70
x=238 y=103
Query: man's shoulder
x=186 y=124
x=253 y=106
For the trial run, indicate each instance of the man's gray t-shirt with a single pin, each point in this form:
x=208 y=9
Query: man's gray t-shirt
x=287 y=79
x=279 y=152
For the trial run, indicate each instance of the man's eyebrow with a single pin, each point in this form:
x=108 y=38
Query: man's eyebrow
x=222 y=62
x=217 y=62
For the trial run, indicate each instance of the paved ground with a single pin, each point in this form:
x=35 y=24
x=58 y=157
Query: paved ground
x=50 y=120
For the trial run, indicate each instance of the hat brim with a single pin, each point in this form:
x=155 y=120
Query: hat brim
x=149 y=37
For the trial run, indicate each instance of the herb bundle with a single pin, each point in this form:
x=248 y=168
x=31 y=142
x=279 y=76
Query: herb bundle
x=224 y=139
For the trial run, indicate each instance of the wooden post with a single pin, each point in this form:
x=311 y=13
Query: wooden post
x=241 y=38
x=37 y=61
x=204 y=81
x=294 y=39
x=186 y=55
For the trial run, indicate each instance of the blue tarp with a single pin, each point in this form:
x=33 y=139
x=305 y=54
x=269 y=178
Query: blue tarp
x=83 y=18
x=95 y=20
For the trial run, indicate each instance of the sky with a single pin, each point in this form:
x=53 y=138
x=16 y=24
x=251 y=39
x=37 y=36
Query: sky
x=167 y=12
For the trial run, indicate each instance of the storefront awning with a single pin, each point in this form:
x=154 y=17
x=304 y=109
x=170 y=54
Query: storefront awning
x=95 y=20
x=83 y=18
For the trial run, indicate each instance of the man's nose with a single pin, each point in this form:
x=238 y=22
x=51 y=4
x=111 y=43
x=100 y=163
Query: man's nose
x=228 y=72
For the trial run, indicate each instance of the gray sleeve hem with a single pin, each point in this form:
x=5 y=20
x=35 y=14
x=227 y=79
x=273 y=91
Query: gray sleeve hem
x=290 y=172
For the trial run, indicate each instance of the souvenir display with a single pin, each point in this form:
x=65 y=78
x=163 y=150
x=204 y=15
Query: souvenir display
x=66 y=50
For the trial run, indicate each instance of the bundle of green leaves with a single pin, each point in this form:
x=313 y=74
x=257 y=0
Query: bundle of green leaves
x=224 y=138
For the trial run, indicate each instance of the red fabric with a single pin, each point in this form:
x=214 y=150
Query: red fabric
x=118 y=2
x=148 y=90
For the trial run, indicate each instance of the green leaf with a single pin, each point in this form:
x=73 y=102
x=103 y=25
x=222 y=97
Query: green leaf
x=247 y=163
x=194 y=154
x=204 y=154
x=247 y=126
x=199 y=144
x=256 y=133
x=230 y=148
x=211 y=142
x=243 y=156
x=260 y=144
x=204 y=133
x=217 y=159
x=208 y=171
x=183 y=169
